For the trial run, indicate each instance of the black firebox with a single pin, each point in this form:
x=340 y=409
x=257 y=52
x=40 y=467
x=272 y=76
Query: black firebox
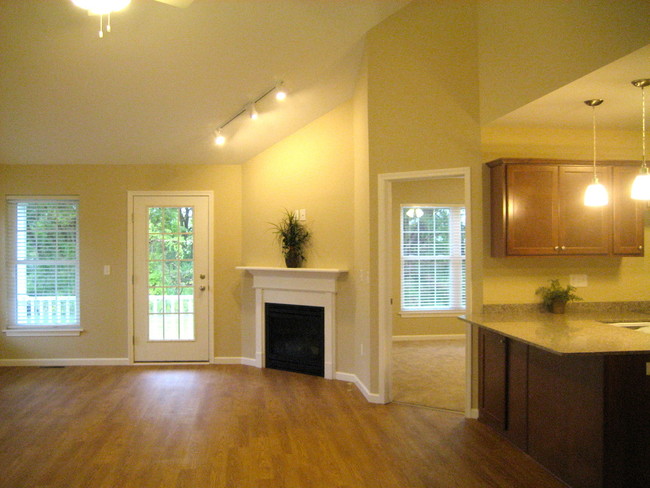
x=295 y=338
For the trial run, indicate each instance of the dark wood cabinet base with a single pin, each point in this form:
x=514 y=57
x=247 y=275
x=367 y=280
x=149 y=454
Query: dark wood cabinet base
x=584 y=417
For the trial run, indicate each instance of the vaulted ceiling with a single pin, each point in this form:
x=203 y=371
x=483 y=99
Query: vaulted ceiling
x=155 y=88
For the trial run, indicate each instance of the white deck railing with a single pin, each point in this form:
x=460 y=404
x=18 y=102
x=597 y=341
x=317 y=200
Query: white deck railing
x=46 y=310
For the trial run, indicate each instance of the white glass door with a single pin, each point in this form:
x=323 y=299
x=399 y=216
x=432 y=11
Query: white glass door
x=170 y=284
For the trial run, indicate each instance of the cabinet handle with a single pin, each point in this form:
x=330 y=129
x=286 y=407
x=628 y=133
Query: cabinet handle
x=563 y=248
x=640 y=248
x=557 y=248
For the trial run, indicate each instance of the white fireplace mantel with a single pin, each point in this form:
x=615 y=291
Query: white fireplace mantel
x=296 y=286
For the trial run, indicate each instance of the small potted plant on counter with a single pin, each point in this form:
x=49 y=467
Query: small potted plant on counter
x=555 y=297
x=293 y=237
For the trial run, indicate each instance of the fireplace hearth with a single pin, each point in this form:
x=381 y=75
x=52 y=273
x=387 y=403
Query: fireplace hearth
x=295 y=338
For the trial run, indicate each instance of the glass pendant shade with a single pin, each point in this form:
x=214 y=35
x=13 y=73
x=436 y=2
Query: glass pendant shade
x=596 y=195
x=641 y=187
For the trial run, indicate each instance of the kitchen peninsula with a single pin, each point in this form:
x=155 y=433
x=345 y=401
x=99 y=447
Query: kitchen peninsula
x=572 y=390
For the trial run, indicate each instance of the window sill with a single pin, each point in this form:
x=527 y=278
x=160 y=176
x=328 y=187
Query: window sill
x=431 y=313
x=43 y=331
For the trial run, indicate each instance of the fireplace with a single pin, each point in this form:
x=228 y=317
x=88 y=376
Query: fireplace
x=309 y=287
x=295 y=339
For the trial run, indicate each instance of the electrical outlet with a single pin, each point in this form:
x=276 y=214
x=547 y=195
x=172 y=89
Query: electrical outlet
x=578 y=280
x=107 y=269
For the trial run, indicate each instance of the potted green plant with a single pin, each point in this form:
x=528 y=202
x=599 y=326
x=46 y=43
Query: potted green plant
x=555 y=297
x=293 y=237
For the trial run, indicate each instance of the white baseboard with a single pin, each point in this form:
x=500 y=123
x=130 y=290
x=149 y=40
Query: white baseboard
x=353 y=378
x=228 y=360
x=66 y=362
x=430 y=337
x=473 y=413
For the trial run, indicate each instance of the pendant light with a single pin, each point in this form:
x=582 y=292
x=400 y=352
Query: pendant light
x=641 y=185
x=596 y=193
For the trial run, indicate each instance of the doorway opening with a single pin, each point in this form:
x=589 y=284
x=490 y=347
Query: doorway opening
x=421 y=336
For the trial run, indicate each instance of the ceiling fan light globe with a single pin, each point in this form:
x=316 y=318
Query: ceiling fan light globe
x=102 y=7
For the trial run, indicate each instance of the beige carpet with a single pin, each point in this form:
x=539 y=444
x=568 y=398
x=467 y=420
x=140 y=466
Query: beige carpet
x=430 y=373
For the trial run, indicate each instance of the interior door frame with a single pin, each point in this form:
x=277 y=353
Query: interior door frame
x=131 y=195
x=385 y=223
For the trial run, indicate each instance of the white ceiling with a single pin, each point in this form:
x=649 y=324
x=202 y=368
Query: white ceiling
x=155 y=88
x=565 y=107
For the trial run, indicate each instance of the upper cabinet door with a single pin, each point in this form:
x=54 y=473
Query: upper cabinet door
x=627 y=214
x=583 y=230
x=537 y=209
x=532 y=209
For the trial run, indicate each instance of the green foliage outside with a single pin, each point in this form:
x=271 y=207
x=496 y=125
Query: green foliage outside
x=171 y=251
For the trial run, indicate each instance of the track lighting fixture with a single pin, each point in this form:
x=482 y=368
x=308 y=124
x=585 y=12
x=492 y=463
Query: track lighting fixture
x=219 y=138
x=280 y=93
x=251 y=110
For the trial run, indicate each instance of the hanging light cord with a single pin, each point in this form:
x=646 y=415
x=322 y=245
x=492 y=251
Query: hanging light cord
x=643 y=165
x=593 y=104
x=593 y=113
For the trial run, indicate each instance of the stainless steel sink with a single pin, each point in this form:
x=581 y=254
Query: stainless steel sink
x=636 y=325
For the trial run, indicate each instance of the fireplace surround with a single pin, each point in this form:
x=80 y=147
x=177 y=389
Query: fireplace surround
x=312 y=287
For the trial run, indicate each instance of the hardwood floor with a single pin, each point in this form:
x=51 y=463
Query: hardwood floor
x=235 y=426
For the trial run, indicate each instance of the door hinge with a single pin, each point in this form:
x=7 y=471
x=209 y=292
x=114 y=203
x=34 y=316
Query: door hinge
x=391 y=301
x=133 y=279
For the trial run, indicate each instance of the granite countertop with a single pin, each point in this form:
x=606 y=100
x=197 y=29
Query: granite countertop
x=570 y=333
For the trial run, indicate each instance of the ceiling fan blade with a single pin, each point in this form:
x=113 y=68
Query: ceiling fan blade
x=177 y=3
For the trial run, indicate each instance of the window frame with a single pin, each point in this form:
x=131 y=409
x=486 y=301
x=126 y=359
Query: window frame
x=457 y=250
x=12 y=328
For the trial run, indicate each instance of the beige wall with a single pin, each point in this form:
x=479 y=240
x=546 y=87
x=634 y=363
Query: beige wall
x=529 y=48
x=102 y=192
x=515 y=279
x=313 y=169
x=429 y=192
x=423 y=111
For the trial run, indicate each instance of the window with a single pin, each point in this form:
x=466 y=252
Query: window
x=43 y=264
x=433 y=258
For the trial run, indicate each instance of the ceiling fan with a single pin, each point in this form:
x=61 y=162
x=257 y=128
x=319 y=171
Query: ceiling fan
x=106 y=7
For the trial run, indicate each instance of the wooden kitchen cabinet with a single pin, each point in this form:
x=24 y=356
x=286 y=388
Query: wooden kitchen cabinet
x=627 y=214
x=537 y=209
x=503 y=386
x=583 y=416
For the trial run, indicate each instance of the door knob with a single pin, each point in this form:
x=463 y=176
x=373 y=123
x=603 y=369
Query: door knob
x=202 y=288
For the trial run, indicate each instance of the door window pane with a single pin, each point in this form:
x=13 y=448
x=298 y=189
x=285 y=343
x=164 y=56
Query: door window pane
x=171 y=274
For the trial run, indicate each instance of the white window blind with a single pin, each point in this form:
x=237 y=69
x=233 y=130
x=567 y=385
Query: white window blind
x=433 y=258
x=43 y=262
